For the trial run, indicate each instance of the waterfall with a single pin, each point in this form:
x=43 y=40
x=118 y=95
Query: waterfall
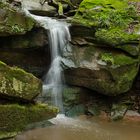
x=59 y=37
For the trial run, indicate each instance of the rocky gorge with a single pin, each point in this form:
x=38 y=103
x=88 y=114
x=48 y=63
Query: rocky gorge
x=100 y=64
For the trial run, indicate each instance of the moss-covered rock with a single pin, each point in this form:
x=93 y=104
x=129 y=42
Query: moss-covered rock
x=14 y=117
x=108 y=72
x=106 y=13
x=107 y=60
x=13 y=20
x=15 y=82
x=116 y=22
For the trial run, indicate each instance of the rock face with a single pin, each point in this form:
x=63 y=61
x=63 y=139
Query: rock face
x=35 y=7
x=13 y=117
x=29 y=52
x=104 y=55
x=17 y=83
x=36 y=38
x=13 y=20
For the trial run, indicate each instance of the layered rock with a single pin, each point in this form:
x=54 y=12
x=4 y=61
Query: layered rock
x=29 y=52
x=109 y=73
x=104 y=55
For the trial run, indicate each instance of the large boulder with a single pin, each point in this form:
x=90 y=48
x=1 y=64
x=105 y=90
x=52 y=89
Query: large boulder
x=14 y=117
x=109 y=73
x=16 y=83
x=104 y=55
x=13 y=20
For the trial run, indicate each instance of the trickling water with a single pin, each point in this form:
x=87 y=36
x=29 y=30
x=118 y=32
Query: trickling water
x=59 y=37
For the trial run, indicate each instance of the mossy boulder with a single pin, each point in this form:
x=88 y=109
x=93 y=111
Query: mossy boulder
x=17 y=83
x=107 y=58
x=13 y=20
x=116 y=23
x=107 y=72
x=14 y=117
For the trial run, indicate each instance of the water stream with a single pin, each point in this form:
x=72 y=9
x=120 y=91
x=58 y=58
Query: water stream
x=59 y=37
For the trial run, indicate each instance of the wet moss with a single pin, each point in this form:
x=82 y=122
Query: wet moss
x=14 y=117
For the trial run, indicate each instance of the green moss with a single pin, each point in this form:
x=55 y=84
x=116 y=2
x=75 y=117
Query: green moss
x=7 y=135
x=116 y=22
x=14 y=117
x=106 y=13
x=16 y=29
x=115 y=36
x=107 y=57
x=132 y=49
x=121 y=80
x=16 y=82
x=88 y=4
x=14 y=21
x=117 y=60
x=60 y=9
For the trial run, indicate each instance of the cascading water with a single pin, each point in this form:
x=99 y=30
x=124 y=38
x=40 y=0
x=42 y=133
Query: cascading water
x=59 y=37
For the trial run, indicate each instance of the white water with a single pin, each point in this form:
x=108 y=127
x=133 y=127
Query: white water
x=59 y=37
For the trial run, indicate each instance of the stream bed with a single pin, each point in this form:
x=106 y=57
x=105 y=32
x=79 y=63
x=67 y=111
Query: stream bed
x=83 y=128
